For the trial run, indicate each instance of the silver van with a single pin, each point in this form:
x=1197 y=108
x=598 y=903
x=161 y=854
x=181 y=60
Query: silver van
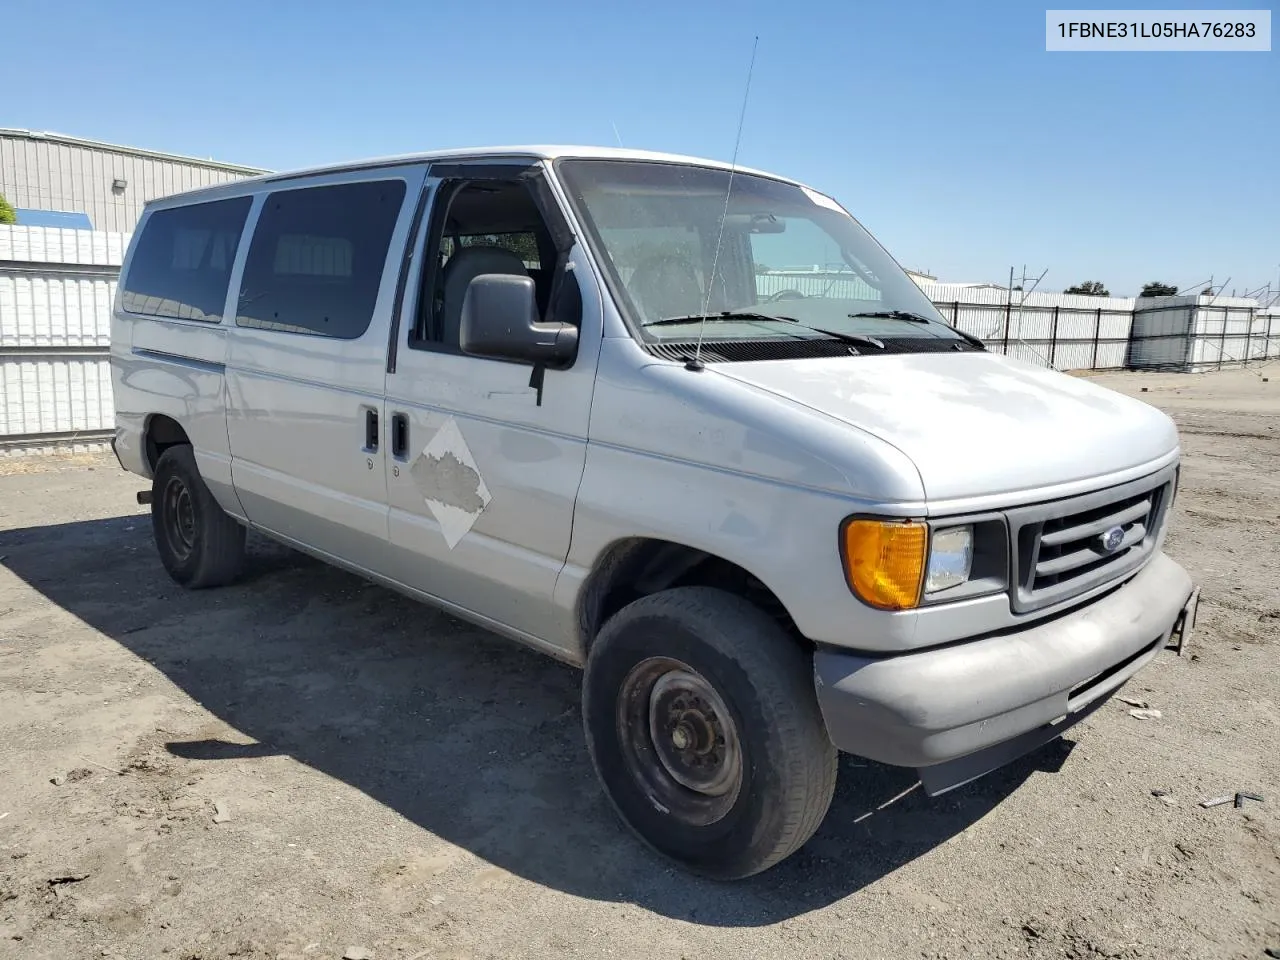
x=684 y=425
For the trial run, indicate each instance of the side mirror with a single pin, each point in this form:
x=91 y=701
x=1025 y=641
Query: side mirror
x=500 y=321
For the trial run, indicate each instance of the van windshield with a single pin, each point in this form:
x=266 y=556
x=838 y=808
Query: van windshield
x=791 y=262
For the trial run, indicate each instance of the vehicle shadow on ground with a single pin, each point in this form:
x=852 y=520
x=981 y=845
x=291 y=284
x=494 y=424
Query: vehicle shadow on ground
x=472 y=738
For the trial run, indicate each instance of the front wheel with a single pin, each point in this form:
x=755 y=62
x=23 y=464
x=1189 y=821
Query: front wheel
x=704 y=728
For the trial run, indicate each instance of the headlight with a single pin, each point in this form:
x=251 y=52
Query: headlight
x=901 y=564
x=950 y=559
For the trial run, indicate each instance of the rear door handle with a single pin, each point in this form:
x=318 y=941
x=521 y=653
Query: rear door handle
x=371 y=431
x=399 y=435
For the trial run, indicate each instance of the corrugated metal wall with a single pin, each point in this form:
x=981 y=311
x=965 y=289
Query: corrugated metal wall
x=56 y=290
x=52 y=172
x=1066 y=331
x=1197 y=333
x=1061 y=330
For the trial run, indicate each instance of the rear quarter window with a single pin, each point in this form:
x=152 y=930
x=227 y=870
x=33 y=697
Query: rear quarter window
x=317 y=256
x=182 y=262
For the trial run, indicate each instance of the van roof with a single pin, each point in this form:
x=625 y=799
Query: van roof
x=537 y=152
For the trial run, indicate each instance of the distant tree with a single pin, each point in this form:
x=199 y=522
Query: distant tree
x=6 y=211
x=523 y=245
x=1158 y=289
x=1207 y=292
x=1090 y=288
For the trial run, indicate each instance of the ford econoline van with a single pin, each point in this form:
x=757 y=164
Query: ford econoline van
x=684 y=425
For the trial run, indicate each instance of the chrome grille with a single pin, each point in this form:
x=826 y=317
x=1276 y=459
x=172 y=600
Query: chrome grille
x=1061 y=548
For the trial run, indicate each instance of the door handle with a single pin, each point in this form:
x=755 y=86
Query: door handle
x=399 y=435
x=371 y=431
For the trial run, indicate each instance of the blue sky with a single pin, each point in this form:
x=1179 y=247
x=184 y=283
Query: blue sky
x=945 y=127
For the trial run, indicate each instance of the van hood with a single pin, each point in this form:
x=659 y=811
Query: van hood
x=975 y=424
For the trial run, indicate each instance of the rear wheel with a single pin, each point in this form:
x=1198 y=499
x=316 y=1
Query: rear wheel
x=199 y=544
x=704 y=728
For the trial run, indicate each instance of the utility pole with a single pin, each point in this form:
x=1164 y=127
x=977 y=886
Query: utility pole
x=1022 y=299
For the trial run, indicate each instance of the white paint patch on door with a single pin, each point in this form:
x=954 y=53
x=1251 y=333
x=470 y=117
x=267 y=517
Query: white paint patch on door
x=447 y=476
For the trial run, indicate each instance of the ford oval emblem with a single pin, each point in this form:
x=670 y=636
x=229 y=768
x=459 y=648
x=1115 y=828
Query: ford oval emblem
x=1111 y=539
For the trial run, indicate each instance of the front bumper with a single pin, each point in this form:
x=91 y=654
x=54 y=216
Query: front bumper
x=961 y=711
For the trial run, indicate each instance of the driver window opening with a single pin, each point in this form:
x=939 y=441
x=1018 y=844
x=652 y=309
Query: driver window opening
x=481 y=227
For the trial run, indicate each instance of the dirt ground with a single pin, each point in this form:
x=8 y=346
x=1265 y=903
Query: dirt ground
x=303 y=764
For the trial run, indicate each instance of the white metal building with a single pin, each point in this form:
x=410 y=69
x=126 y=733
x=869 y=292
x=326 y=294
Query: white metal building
x=58 y=181
x=77 y=202
x=1194 y=333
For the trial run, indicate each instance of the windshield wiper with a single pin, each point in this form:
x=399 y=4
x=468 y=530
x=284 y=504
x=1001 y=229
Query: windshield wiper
x=856 y=338
x=721 y=317
x=893 y=315
x=920 y=318
x=727 y=315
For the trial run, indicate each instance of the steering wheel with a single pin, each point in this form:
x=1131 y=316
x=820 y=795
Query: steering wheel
x=785 y=295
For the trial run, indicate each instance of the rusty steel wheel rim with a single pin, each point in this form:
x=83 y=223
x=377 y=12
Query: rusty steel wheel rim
x=177 y=510
x=680 y=741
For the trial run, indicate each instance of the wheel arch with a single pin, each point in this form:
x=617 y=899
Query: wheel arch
x=161 y=433
x=636 y=567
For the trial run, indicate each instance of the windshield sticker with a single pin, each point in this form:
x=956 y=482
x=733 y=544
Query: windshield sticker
x=449 y=480
x=824 y=201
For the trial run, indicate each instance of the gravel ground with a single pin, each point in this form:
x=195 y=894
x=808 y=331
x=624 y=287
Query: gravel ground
x=303 y=764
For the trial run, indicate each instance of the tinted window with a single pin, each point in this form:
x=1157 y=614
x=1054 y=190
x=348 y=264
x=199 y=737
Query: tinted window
x=182 y=262
x=317 y=256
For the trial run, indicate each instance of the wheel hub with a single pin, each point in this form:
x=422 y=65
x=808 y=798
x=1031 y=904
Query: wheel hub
x=680 y=737
x=680 y=740
x=180 y=517
x=685 y=722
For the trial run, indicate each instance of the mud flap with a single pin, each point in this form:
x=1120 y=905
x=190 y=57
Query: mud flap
x=1184 y=626
x=941 y=777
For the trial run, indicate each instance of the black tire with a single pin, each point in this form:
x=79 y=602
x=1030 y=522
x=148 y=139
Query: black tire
x=199 y=544
x=646 y=661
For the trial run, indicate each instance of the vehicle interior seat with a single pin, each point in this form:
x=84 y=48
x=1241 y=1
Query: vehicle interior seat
x=463 y=267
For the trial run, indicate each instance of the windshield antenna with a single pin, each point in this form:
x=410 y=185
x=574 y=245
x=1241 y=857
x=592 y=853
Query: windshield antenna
x=696 y=362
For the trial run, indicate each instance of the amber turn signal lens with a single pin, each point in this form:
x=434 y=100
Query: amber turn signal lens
x=884 y=561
